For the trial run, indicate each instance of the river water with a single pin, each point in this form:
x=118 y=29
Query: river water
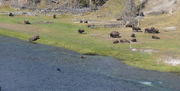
x=26 y=66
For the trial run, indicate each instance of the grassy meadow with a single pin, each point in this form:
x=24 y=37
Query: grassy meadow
x=64 y=33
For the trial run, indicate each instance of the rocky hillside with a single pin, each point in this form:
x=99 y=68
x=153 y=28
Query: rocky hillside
x=151 y=7
x=164 y=6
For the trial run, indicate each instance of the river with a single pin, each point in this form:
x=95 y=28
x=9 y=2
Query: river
x=26 y=66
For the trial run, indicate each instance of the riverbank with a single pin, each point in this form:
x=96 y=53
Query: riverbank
x=63 y=33
x=39 y=67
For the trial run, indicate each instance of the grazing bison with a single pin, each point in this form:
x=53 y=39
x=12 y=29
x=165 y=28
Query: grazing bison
x=116 y=41
x=132 y=35
x=85 y=21
x=114 y=34
x=80 y=31
x=135 y=28
x=124 y=41
x=11 y=15
x=134 y=40
x=26 y=22
x=148 y=30
x=34 y=38
x=155 y=37
x=54 y=16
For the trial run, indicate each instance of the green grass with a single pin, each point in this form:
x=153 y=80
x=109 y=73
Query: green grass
x=63 y=33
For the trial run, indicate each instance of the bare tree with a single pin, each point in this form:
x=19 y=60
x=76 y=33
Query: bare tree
x=129 y=13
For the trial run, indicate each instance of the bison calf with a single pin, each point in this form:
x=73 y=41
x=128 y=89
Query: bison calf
x=34 y=38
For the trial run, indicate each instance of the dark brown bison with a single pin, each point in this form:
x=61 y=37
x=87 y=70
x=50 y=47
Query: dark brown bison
x=147 y=30
x=124 y=41
x=34 y=38
x=135 y=28
x=26 y=22
x=134 y=40
x=114 y=34
x=11 y=15
x=155 y=37
x=80 y=31
x=116 y=41
x=81 y=21
x=155 y=31
x=132 y=35
x=54 y=16
x=85 y=21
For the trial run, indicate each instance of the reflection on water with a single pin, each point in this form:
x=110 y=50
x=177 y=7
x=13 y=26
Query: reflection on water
x=26 y=66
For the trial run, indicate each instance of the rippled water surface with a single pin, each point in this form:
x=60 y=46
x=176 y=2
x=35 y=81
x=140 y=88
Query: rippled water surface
x=27 y=66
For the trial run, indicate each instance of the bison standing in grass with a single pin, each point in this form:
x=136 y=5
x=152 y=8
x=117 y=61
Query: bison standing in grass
x=135 y=28
x=80 y=31
x=114 y=34
x=54 y=16
x=151 y=30
x=34 y=38
x=147 y=30
x=26 y=22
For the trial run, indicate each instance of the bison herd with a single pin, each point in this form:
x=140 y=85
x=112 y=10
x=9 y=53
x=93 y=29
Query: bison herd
x=116 y=34
x=113 y=34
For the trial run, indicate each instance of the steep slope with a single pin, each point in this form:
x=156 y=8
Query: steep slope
x=112 y=8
